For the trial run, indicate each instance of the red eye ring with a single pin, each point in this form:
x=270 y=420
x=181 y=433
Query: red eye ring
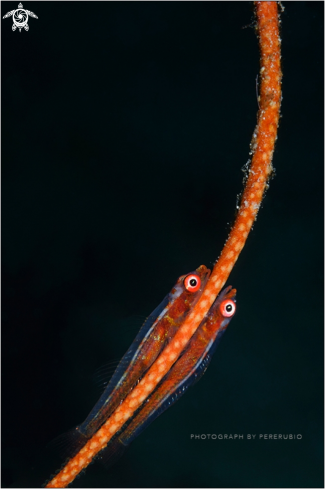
x=227 y=308
x=192 y=282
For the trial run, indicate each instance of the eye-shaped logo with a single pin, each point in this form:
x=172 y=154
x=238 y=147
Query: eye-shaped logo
x=20 y=18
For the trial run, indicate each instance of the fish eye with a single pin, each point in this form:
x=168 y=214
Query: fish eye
x=192 y=282
x=228 y=308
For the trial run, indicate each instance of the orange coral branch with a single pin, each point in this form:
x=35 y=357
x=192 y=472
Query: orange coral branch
x=262 y=144
x=260 y=170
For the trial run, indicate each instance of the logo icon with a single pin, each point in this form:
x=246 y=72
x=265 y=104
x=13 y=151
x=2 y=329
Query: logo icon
x=20 y=17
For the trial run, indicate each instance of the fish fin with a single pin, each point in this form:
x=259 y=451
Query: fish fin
x=125 y=361
x=103 y=374
x=112 y=453
x=68 y=444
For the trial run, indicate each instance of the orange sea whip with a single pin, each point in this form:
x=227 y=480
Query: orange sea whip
x=258 y=174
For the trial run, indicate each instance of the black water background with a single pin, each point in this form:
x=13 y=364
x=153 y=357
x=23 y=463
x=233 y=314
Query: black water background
x=124 y=129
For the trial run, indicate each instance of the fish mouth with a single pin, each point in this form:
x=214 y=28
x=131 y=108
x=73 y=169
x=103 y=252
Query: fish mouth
x=227 y=293
x=204 y=274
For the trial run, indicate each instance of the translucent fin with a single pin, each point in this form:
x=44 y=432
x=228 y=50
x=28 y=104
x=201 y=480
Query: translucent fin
x=117 y=376
x=68 y=444
x=103 y=374
x=124 y=363
x=130 y=434
x=112 y=453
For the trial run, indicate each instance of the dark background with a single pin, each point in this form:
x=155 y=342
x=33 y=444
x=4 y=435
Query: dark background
x=124 y=130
